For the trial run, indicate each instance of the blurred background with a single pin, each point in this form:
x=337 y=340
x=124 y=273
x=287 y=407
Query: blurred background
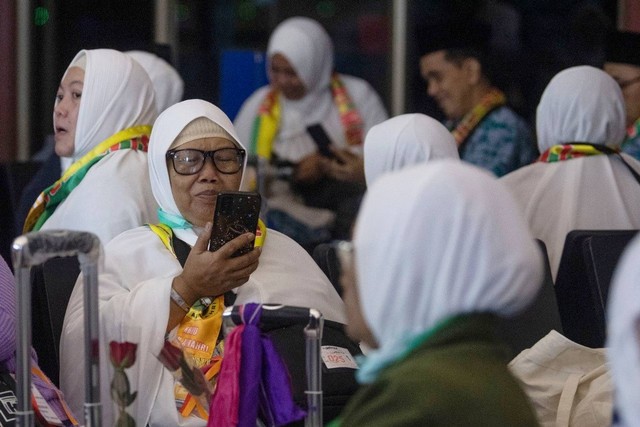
x=217 y=47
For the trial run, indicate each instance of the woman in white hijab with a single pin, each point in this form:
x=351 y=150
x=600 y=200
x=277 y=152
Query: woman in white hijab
x=144 y=290
x=304 y=90
x=574 y=185
x=623 y=336
x=167 y=83
x=403 y=141
x=102 y=121
x=429 y=286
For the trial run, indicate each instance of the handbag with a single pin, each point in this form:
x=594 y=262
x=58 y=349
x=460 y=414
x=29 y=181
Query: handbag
x=567 y=384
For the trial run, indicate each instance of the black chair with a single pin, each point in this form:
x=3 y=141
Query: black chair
x=325 y=256
x=536 y=321
x=588 y=260
x=52 y=283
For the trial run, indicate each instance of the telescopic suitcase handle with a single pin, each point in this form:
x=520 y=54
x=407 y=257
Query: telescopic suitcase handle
x=33 y=249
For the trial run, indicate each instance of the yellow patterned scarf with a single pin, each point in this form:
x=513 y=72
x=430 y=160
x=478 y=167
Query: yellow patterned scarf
x=492 y=100
x=198 y=331
x=265 y=126
x=135 y=138
x=558 y=153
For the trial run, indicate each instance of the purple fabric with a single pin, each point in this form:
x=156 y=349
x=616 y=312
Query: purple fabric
x=250 y=367
x=278 y=402
x=267 y=382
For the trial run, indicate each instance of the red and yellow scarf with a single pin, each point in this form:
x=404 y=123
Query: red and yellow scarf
x=134 y=138
x=492 y=100
x=265 y=126
x=558 y=153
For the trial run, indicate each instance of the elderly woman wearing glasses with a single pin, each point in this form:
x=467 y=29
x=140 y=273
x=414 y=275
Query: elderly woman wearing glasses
x=160 y=280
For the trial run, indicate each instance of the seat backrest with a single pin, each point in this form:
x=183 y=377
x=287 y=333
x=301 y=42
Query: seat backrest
x=537 y=320
x=325 y=256
x=586 y=267
x=52 y=283
x=601 y=254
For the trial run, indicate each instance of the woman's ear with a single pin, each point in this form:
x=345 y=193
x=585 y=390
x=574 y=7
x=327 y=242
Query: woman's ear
x=472 y=70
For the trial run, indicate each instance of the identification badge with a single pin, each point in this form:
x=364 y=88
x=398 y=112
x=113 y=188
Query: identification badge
x=337 y=357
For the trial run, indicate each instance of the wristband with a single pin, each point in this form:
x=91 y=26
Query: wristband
x=175 y=297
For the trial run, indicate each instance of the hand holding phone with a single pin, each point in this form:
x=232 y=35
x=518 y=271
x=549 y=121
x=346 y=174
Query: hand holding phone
x=236 y=213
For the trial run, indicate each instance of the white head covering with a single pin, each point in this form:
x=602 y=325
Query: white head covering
x=437 y=240
x=117 y=94
x=167 y=127
x=623 y=334
x=167 y=83
x=581 y=104
x=403 y=141
x=308 y=48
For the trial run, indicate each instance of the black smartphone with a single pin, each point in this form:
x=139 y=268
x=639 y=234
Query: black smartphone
x=236 y=213
x=321 y=139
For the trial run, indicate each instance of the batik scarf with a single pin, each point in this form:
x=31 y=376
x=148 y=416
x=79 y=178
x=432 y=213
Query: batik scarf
x=492 y=100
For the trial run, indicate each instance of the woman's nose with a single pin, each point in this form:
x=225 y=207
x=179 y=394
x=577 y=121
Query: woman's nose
x=60 y=108
x=209 y=171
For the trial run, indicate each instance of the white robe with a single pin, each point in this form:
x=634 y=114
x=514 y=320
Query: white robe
x=580 y=104
x=134 y=306
x=114 y=196
x=293 y=142
x=589 y=193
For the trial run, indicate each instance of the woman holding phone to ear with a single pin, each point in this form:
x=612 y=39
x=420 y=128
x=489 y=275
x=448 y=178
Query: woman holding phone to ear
x=161 y=278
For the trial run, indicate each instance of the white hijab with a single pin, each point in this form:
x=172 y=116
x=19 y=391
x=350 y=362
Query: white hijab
x=581 y=104
x=623 y=334
x=405 y=140
x=165 y=130
x=117 y=94
x=437 y=240
x=167 y=83
x=308 y=48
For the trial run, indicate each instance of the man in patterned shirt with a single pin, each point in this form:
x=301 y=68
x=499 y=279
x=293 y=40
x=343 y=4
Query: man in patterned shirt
x=623 y=64
x=489 y=134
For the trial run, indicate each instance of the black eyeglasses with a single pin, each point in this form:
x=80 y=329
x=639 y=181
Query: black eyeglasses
x=189 y=161
x=625 y=83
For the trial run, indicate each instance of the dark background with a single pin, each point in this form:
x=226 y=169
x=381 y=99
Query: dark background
x=531 y=41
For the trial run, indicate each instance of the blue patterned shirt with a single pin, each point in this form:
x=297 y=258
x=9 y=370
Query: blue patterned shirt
x=501 y=143
x=631 y=145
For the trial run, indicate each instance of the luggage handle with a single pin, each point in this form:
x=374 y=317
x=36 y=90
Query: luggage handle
x=273 y=314
x=35 y=248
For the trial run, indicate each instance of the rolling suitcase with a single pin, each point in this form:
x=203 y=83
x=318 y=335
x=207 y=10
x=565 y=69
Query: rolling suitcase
x=282 y=316
x=33 y=249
